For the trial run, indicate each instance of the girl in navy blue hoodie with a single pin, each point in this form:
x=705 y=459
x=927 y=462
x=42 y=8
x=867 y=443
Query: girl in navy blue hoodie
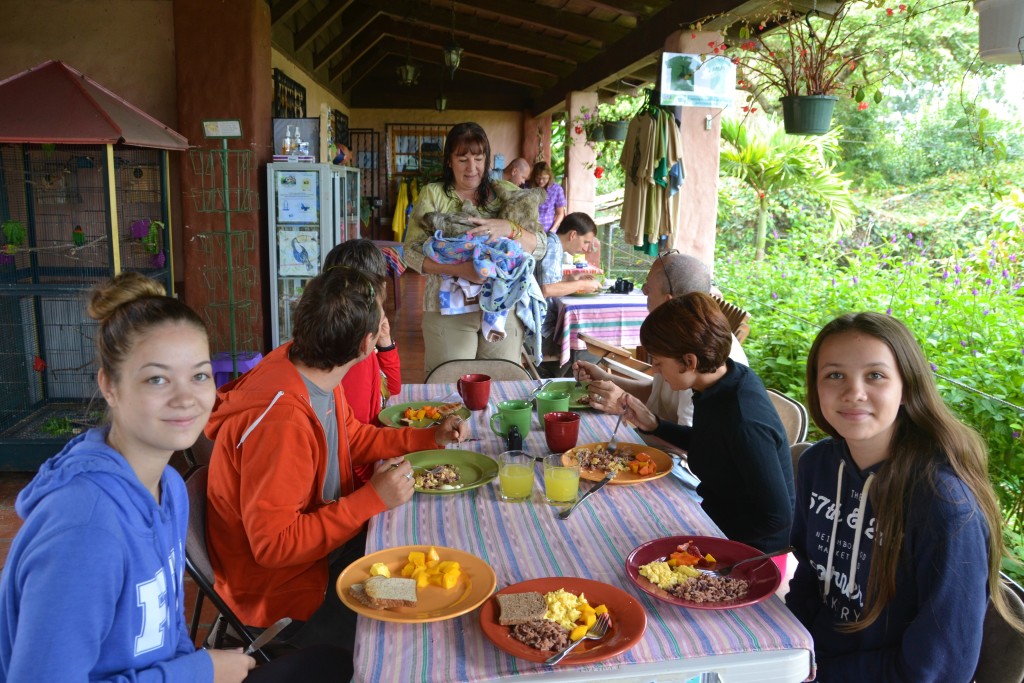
x=92 y=588
x=897 y=529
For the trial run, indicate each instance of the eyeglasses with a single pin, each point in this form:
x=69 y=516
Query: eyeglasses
x=664 y=269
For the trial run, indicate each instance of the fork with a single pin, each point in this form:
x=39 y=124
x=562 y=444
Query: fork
x=613 y=443
x=564 y=514
x=727 y=569
x=596 y=632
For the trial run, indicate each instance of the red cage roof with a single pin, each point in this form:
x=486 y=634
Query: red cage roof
x=54 y=103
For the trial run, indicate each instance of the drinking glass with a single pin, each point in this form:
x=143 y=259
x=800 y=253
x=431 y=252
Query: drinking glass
x=515 y=475
x=561 y=482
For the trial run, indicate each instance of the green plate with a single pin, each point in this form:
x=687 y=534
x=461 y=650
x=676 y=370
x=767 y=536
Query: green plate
x=575 y=393
x=475 y=469
x=392 y=415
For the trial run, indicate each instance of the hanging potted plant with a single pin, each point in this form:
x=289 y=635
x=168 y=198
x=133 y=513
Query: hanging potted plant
x=808 y=60
x=615 y=130
x=1001 y=30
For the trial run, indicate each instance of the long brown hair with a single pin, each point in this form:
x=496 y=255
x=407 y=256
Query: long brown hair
x=468 y=137
x=927 y=435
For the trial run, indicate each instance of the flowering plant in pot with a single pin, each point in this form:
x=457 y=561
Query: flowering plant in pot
x=808 y=60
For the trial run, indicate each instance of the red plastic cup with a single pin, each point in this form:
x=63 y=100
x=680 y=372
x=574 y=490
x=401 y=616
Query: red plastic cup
x=561 y=430
x=475 y=389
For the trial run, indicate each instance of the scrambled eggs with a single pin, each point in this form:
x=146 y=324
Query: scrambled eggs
x=664 y=576
x=563 y=608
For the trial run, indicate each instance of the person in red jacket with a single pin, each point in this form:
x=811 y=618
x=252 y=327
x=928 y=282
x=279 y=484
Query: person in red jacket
x=370 y=382
x=284 y=511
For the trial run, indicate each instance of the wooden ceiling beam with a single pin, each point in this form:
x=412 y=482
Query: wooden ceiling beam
x=305 y=35
x=636 y=8
x=546 y=17
x=418 y=14
x=282 y=10
x=353 y=22
x=640 y=47
x=357 y=48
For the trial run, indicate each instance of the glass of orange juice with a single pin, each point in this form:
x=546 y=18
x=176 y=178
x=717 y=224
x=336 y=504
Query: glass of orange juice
x=515 y=475
x=561 y=481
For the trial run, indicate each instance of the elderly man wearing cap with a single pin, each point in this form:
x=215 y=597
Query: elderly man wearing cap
x=671 y=275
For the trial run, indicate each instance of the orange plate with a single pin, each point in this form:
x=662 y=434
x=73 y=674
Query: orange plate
x=433 y=603
x=662 y=459
x=629 y=621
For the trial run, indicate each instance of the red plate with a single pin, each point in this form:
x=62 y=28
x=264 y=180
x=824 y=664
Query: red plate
x=629 y=621
x=764 y=576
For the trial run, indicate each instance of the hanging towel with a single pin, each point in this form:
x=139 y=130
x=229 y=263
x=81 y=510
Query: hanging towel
x=509 y=283
x=398 y=220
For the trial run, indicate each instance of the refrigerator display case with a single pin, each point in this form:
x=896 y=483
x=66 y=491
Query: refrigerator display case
x=312 y=207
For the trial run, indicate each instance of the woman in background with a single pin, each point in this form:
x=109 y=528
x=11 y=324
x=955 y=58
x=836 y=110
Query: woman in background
x=898 y=534
x=466 y=186
x=552 y=210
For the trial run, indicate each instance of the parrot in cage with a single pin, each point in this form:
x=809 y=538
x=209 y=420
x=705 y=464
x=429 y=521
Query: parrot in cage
x=78 y=236
x=301 y=255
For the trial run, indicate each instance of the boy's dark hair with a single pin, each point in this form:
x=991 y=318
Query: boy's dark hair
x=578 y=221
x=336 y=311
x=361 y=254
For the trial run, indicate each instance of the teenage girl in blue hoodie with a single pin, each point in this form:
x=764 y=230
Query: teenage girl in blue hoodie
x=897 y=529
x=92 y=588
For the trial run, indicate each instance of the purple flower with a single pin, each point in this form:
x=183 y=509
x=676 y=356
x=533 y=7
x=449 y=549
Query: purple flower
x=1016 y=286
x=1013 y=257
x=945 y=275
x=988 y=281
x=893 y=240
x=1006 y=273
x=833 y=280
x=975 y=353
x=774 y=295
x=910 y=235
x=918 y=243
x=974 y=291
x=856 y=279
x=984 y=312
x=956 y=282
x=775 y=234
x=888 y=311
x=935 y=368
x=963 y=343
x=1016 y=435
x=956 y=269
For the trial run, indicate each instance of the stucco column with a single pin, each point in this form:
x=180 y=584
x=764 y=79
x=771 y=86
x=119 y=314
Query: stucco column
x=580 y=182
x=698 y=203
x=222 y=59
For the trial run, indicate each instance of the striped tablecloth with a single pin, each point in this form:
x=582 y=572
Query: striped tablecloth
x=526 y=541
x=613 y=318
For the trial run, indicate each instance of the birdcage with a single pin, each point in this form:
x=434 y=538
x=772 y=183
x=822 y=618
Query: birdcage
x=83 y=196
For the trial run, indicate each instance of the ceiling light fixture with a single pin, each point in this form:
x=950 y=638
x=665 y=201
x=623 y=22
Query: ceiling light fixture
x=408 y=73
x=452 y=50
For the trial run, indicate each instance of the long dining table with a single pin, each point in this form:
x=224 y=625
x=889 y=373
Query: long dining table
x=760 y=643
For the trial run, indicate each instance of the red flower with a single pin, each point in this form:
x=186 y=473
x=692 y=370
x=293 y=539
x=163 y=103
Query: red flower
x=862 y=106
x=598 y=172
x=693 y=35
x=903 y=8
x=579 y=130
x=889 y=11
x=711 y=44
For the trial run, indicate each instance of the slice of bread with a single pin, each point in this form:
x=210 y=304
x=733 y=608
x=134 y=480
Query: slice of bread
x=519 y=608
x=381 y=590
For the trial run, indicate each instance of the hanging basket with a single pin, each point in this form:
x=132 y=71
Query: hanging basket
x=808 y=114
x=615 y=130
x=595 y=134
x=1001 y=31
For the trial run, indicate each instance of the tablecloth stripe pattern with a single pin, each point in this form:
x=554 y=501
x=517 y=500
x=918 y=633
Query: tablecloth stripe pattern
x=526 y=541
x=612 y=318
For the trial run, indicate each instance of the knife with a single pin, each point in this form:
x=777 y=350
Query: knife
x=564 y=514
x=268 y=635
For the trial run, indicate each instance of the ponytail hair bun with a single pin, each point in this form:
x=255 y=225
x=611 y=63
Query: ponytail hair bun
x=118 y=291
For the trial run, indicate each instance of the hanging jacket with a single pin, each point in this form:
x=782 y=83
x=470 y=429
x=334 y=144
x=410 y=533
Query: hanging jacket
x=93 y=585
x=930 y=632
x=268 y=527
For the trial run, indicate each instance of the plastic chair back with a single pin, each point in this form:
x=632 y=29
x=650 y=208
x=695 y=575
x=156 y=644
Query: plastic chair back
x=793 y=414
x=497 y=369
x=1002 y=647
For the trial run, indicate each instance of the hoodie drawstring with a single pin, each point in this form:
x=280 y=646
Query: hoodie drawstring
x=256 y=423
x=857 y=528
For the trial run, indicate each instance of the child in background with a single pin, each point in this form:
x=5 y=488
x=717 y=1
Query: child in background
x=105 y=520
x=370 y=382
x=897 y=530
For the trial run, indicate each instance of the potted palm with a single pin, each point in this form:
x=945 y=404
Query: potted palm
x=807 y=60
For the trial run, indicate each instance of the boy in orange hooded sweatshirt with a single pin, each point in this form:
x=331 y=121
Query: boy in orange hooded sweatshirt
x=284 y=512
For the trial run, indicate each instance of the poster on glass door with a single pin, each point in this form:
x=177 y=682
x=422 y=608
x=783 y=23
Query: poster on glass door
x=298 y=197
x=298 y=253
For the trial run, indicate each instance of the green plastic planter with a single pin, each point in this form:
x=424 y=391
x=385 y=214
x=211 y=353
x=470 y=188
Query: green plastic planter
x=808 y=114
x=615 y=130
x=596 y=134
